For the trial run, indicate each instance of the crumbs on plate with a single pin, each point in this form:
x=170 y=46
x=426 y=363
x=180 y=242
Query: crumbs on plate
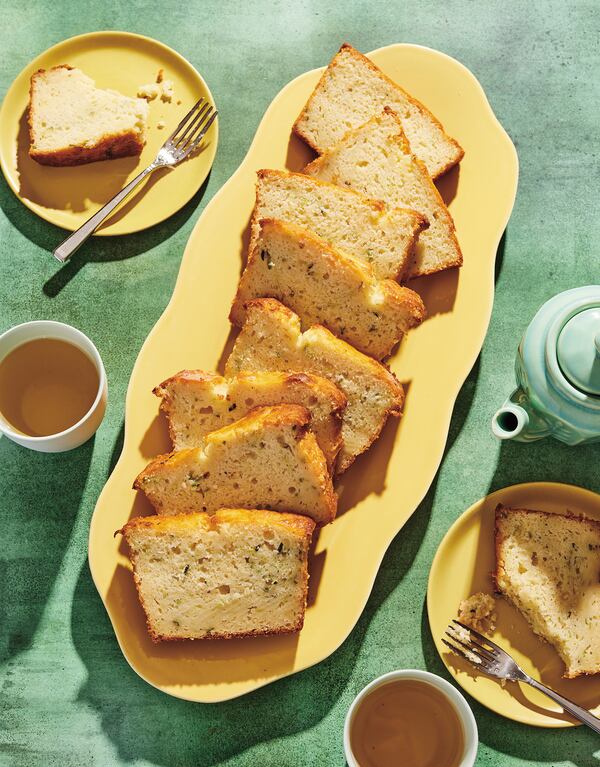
x=478 y=612
x=161 y=88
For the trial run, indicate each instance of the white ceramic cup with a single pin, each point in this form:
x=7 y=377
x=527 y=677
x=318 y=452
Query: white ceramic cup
x=457 y=701
x=81 y=431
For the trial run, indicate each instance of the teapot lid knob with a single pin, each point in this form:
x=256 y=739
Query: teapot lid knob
x=578 y=351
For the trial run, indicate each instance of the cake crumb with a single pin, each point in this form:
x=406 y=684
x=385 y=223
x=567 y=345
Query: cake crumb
x=165 y=89
x=462 y=635
x=168 y=90
x=160 y=124
x=149 y=91
x=477 y=611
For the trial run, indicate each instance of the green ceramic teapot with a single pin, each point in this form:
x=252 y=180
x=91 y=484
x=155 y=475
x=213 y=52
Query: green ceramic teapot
x=558 y=373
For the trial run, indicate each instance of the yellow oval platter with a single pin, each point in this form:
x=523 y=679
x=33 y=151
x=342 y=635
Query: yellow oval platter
x=385 y=486
x=462 y=566
x=67 y=197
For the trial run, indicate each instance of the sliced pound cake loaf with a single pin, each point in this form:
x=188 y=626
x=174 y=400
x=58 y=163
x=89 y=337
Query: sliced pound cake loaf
x=382 y=237
x=376 y=159
x=548 y=566
x=271 y=339
x=323 y=285
x=72 y=122
x=196 y=403
x=267 y=460
x=234 y=573
x=351 y=91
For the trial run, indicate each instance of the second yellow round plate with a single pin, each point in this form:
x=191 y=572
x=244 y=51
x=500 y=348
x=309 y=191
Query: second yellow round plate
x=462 y=566
x=67 y=197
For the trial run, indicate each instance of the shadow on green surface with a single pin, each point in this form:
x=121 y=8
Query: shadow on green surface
x=97 y=249
x=546 y=461
x=46 y=489
x=574 y=746
x=117 y=450
x=499 y=257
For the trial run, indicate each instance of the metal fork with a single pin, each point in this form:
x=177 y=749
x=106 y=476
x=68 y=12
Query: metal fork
x=181 y=143
x=488 y=657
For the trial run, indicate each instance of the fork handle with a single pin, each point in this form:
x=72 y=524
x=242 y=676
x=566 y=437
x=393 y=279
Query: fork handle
x=572 y=708
x=74 y=241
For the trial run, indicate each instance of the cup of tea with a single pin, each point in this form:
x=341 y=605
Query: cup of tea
x=413 y=718
x=53 y=387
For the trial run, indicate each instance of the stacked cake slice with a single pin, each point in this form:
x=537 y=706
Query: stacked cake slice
x=268 y=459
x=325 y=286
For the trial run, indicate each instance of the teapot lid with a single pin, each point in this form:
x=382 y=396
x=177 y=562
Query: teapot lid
x=578 y=350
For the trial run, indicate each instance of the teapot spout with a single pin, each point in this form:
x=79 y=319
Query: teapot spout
x=510 y=422
x=517 y=420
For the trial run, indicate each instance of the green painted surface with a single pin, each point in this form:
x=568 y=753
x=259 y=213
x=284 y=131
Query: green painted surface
x=67 y=697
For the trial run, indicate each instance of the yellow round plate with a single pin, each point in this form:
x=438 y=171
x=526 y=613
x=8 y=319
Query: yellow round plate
x=67 y=197
x=385 y=486
x=462 y=566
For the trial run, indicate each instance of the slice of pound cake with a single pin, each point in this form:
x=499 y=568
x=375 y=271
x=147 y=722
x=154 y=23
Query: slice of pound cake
x=235 y=573
x=548 y=566
x=271 y=339
x=382 y=237
x=323 y=285
x=351 y=91
x=197 y=403
x=72 y=122
x=267 y=460
x=376 y=159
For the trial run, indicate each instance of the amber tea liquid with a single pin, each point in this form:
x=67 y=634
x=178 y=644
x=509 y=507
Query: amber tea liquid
x=409 y=723
x=46 y=386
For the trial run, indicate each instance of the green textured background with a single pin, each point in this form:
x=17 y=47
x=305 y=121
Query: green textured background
x=67 y=697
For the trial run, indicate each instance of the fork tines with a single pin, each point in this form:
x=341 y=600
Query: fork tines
x=192 y=129
x=463 y=643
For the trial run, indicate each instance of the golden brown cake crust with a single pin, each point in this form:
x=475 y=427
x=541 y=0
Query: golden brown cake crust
x=315 y=383
x=418 y=222
x=110 y=146
x=411 y=301
x=297 y=127
x=302 y=526
x=296 y=416
x=282 y=415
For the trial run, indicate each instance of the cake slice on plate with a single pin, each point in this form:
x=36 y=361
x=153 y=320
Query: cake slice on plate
x=271 y=339
x=548 y=566
x=351 y=91
x=196 y=403
x=71 y=122
x=235 y=573
x=325 y=286
x=381 y=237
x=376 y=159
x=267 y=460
